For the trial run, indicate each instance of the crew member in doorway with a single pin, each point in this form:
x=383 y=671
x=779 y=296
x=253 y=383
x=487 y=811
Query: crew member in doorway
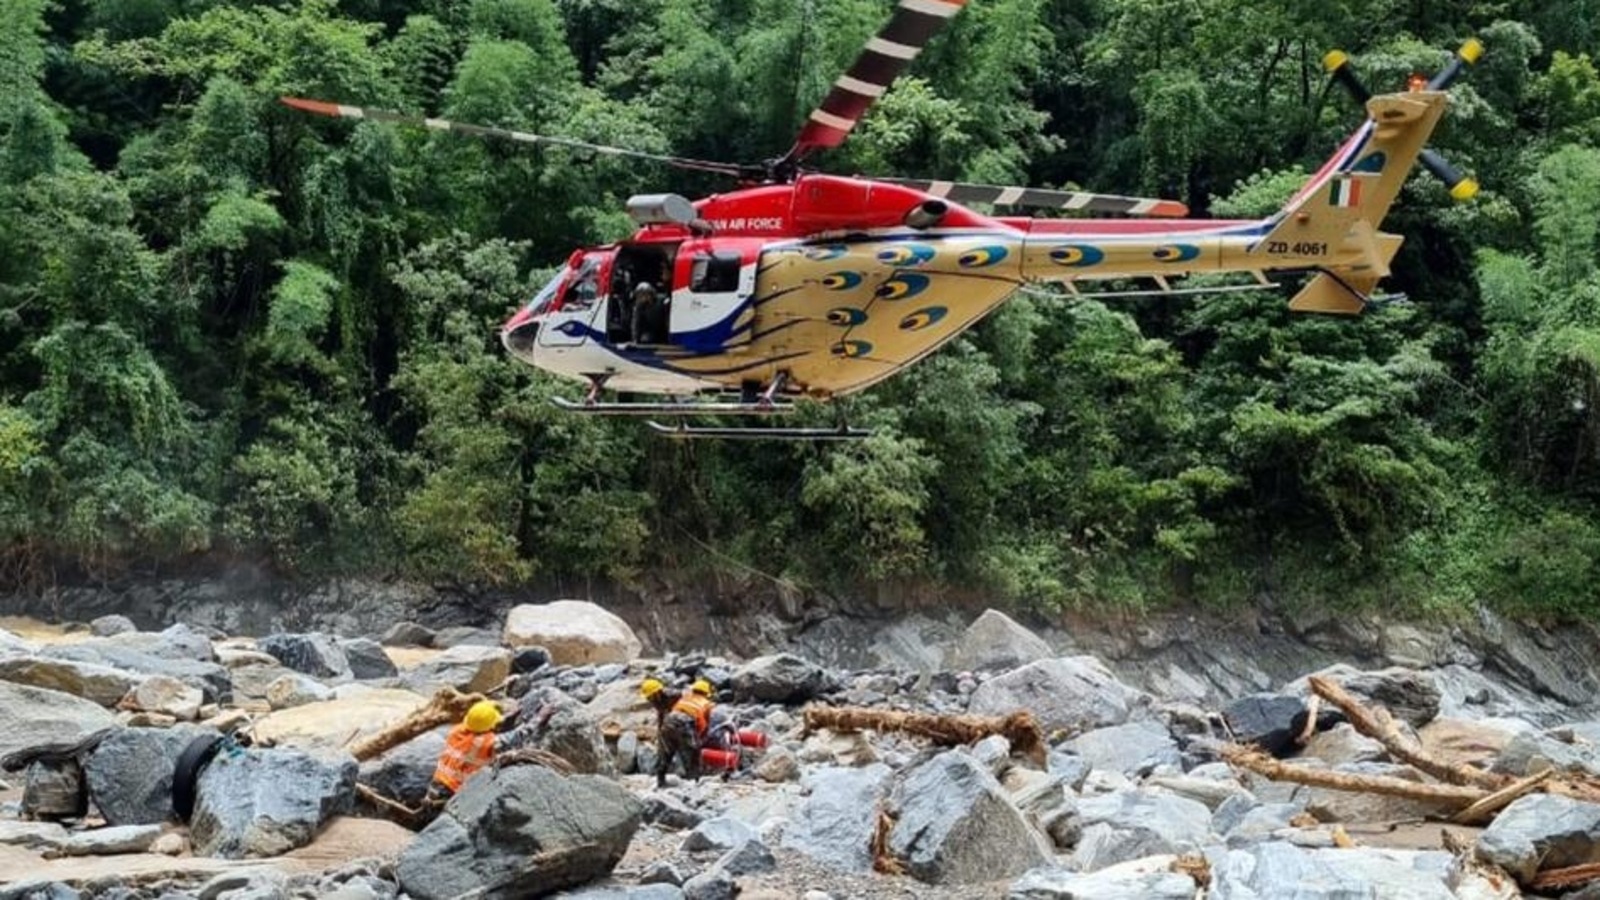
x=646 y=314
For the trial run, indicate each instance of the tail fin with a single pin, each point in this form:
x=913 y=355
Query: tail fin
x=1332 y=222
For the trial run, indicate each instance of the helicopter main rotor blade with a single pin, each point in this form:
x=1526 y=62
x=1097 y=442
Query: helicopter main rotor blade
x=1042 y=198
x=913 y=24
x=342 y=110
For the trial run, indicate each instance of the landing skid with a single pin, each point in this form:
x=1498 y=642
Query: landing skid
x=691 y=408
x=685 y=432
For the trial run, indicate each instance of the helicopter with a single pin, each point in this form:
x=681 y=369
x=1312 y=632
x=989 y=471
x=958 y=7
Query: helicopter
x=801 y=284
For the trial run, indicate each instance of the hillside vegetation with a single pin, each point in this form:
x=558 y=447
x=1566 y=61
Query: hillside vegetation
x=230 y=330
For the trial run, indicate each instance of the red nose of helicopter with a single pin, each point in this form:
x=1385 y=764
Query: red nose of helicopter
x=520 y=333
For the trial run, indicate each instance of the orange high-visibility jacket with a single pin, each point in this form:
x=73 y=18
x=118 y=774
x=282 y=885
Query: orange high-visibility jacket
x=465 y=752
x=697 y=708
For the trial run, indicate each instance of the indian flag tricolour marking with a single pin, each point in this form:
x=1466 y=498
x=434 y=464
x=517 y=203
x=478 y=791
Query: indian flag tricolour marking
x=1345 y=192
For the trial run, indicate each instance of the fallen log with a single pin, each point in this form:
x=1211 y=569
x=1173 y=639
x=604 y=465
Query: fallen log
x=1277 y=770
x=1482 y=811
x=446 y=707
x=1019 y=728
x=398 y=811
x=1571 y=876
x=1378 y=725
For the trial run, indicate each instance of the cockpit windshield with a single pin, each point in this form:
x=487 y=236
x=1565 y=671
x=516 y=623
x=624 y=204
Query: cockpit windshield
x=540 y=304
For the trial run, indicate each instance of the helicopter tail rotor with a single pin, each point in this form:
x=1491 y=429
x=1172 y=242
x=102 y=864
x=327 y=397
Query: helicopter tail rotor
x=1338 y=64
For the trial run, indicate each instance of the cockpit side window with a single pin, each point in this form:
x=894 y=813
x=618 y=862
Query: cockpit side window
x=583 y=288
x=714 y=273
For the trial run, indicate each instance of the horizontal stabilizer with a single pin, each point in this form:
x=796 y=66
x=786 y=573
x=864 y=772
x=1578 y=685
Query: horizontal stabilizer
x=1326 y=294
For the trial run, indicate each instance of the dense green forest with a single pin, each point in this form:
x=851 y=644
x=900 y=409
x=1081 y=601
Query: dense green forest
x=229 y=330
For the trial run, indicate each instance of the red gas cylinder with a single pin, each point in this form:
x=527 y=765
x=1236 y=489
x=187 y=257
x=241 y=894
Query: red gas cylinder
x=719 y=760
x=752 y=739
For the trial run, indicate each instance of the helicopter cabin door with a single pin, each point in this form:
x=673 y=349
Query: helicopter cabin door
x=713 y=289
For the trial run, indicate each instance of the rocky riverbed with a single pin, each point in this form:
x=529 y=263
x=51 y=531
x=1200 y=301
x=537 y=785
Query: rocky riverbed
x=1127 y=798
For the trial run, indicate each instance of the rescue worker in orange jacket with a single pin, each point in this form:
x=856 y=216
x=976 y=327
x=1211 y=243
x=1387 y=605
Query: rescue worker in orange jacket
x=681 y=723
x=469 y=747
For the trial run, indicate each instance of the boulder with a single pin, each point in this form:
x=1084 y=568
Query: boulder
x=721 y=833
x=1410 y=696
x=31 y=716
x=994 y=641
x=111 y=841
x=166 y=696
x=955 y=825
x=250 y=682
x=407 y=634
x=836 y=822
x=1282 y=871
x=1133 y=748
x=521 y=831
x=315 y=654
x=465 y=667
x=1272 y=721
x=107 y=626
x=54 y=790
x=130 y=773
x=294 y=689
x=179 y=642
x=1150 y=878
x=31 y=835
x=569 y=731
x=1343 y=744
x=779 y=678
x=1071 y=692
x=11 y=645
x=1125 y=825
x=210 y=678
x=1542 y=831
x=575 y=632
x=355 y=712
x=405 y=772
x=1468 y=742
x=260 y=803
x=95 y=683
x=1359 y=806
x=1531 y=752
x=367 y=659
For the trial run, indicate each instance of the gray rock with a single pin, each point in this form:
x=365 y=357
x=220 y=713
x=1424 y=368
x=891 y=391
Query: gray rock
x=259 y=882
x=166 y=696
x=39 y=889
x=465 y=636
x=407 y=634
x=661 y=872
x=994 y=641
x=1134 y=748
x=32 y=835
x=267 y=802
x=11 y=645
x=405 y=772
x=130 y=773
x=575 y=632
x=315 y=654
x=712 y=884
x=570 y=731
x=836 y=822
x=1352 y=806
x=1164 y=823
x=295 y=689
x=95 y=683
x=1281 y=871
x=107 y=626
x=1072 y=768
x=54 y=790
x=212 y=679
x=111 y=841
x=1542 y=831
x=179 y=642
x=750 y=857
x=1117 y=883
x=1532 y=752
x=367 y=659
x=1408 y=695
x=465 y=667
x=669 y=812
x=627 y=753
x=1072 y=693
x=1210 y=791
x=1271 y=721
x=781 y=678
x=519 y=831
x=31 y=716
x=721 y=833
x=1259 y=823
x=778 y=765
x=955 y=825
x=1343 y=744
x=641 y=892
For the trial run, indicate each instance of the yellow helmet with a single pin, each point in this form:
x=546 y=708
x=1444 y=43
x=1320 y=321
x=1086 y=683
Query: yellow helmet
x=701 y=687
x=483 y=716
x=651 y=687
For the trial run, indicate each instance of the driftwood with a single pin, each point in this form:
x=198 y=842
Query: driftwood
x=535 y=756
x=883 y=859
x=447 y=706
x=1482 y=811
x=1378 y=725
x=392 y=809
x=1019 y=728
x=1571 y=876
x=1277 y=770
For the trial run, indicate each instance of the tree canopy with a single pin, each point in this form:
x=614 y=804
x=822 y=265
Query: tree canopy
x=230 y=330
